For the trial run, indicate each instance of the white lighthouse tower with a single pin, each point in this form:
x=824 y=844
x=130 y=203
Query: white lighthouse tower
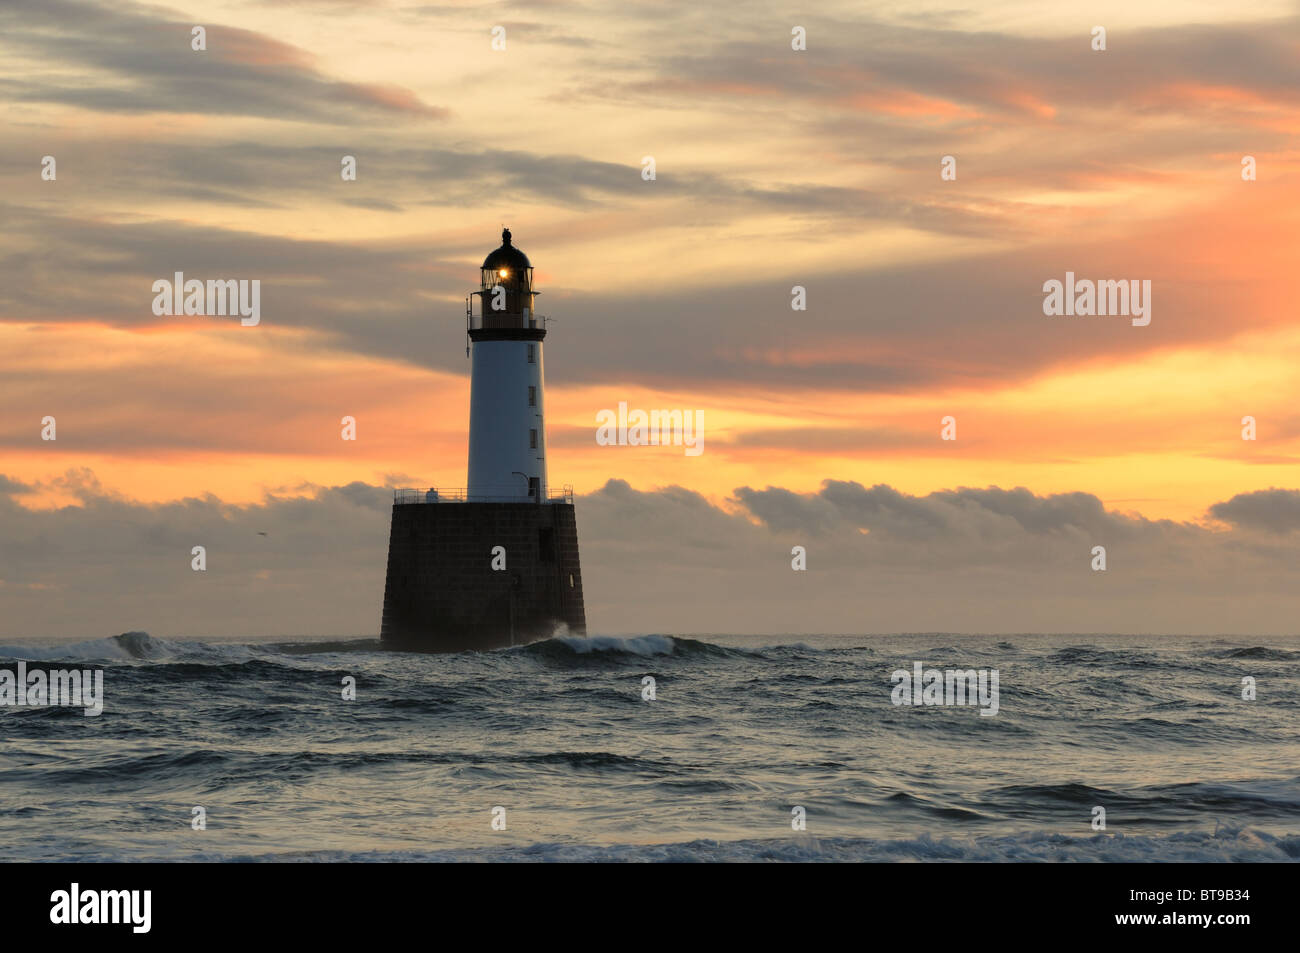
x=445 y=590
x=507 y=429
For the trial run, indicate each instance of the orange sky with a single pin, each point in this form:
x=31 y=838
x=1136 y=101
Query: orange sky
x=818 y=168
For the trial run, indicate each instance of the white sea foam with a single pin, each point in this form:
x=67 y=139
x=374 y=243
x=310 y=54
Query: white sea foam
x=640 y=645
x=134 y=646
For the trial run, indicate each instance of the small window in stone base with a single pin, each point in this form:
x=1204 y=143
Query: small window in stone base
x=570 y=580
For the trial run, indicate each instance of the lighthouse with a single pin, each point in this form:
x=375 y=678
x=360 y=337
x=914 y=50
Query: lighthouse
x=495 y=563
x=507 y=436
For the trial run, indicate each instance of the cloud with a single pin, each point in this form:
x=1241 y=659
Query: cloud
x=126 y=58
x=109 y=564
x=968 y=323
x=948 y=519
x=1271 y=510
x=395 y=176
x=665 y=560
x=969 y=76
x=965 y=314
x=881 y=560
x=9 y=486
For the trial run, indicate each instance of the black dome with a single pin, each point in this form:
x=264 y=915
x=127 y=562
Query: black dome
x=507 y=256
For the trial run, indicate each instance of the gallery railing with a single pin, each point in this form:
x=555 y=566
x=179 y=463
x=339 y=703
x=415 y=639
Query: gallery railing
x=460 y=494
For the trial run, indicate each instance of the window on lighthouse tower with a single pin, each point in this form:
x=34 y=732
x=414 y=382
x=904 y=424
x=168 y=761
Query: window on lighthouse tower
x=532 y=440
x=532 y=396
x=532 y=354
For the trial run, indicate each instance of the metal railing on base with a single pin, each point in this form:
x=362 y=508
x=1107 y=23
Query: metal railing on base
x=460 y=494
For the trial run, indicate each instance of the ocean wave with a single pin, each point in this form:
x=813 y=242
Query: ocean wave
x=131 y=646
x=612 y=647
x=1094 y=655
x=127 y=771
x=143 y=647
x=1261 y=653
x=331 y=646
x=1224 y=846
x=1256 y=797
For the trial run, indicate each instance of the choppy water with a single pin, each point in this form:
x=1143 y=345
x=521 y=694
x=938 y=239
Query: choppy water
x=743 y=729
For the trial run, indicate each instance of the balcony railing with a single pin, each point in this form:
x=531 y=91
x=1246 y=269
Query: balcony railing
x=505 y=319
x=459 y=494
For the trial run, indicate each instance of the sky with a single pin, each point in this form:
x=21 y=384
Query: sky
x=774 y=168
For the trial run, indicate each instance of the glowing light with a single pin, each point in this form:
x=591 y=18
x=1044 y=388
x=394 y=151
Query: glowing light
x=504 y=272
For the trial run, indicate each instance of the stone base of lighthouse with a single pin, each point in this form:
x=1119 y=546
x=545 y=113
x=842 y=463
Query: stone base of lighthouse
x=442 y=594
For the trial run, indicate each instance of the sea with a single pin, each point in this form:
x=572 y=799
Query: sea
x=659 y=747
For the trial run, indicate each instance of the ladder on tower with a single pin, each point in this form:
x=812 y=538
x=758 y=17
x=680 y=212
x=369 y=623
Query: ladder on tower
x=469 y=315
